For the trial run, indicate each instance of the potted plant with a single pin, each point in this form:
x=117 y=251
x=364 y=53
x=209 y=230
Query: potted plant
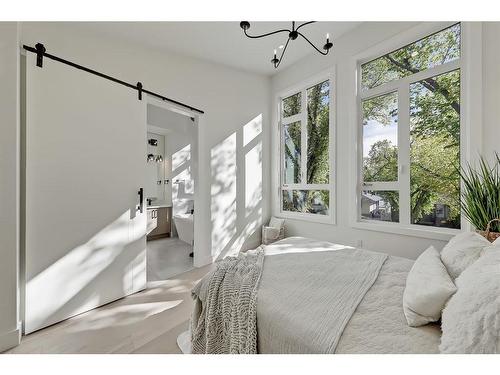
x=480 y=201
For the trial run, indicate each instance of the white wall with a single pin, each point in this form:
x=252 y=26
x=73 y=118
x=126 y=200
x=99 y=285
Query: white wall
x=230 y=98
x=491 y=89
x=9 y=184
x=346 y=48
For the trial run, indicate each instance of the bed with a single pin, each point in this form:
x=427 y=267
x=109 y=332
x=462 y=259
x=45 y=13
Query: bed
x=377 y=325
x=315 y=297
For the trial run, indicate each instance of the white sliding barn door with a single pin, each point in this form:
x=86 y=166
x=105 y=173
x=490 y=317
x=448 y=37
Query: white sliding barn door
x=85 y=162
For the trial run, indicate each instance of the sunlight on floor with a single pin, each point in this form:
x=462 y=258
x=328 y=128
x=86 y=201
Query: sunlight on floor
x=123 y=315
x=145 y=322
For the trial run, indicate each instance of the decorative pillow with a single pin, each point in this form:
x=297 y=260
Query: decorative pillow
x=276 y=223
x=270 y=235
x=428 y=288
x=461 y=251
x=471 y=320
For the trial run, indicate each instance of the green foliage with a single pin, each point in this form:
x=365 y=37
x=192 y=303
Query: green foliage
x=435 y=107
x=292 y=104
x=293 y=150
x=381 y=108
x=303 y=201
x=434 y=177
x=381 y=163
x=317 y=153
x=318 y=140
x=481 y=195
x=433 y=50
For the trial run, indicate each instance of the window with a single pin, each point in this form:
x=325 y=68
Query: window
x=409 y=103
x=305 y=151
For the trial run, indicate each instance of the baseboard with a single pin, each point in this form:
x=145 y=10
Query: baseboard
x=158 y=236
x=10 y=339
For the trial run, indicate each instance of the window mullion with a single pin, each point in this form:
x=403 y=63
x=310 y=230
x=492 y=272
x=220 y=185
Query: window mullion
x=282 y=153
x=404 y=152
x=303 y=140
x=291 y=119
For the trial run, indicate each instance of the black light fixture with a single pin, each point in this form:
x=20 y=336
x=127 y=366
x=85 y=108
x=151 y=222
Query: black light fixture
x=293 y=34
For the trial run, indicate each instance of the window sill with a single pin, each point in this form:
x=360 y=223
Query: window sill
x=442 y=234
x=323 y=219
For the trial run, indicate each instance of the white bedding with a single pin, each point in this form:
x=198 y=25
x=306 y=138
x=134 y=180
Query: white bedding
x=308 y=292
x=378 y=324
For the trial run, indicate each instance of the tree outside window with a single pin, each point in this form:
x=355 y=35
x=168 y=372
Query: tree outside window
x=306 y=171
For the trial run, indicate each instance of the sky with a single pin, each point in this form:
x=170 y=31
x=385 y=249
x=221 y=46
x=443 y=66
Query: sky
x=374 y=131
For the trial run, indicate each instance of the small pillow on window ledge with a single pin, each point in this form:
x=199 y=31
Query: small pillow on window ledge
x=275 y=231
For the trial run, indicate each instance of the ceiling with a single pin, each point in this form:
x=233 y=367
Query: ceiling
x=223 y=42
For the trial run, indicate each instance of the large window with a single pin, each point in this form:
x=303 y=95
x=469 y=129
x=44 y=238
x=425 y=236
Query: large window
x=305 y=151
x=410 y=139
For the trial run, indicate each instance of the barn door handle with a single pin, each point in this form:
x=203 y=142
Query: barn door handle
x=141 y=200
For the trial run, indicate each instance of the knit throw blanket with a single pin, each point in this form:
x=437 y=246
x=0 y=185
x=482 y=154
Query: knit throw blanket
x=224 y=319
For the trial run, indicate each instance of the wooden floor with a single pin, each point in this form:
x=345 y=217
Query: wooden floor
x=146 y=322
x=168 y=257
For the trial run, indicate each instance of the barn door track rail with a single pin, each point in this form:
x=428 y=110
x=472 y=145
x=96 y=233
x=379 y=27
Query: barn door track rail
x=40 y=52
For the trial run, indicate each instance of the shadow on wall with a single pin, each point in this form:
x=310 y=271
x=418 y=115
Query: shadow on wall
x=88 y=275
x=236 y=190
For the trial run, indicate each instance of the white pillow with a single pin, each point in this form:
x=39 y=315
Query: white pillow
x=471 y=320
x=428 y=288
x=461 y=251
x=276 y=223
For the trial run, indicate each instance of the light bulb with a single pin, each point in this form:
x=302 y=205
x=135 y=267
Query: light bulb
x=327 y=36
x=274 y=52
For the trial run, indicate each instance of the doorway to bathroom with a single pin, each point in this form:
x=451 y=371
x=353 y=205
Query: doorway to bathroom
x=171 y=170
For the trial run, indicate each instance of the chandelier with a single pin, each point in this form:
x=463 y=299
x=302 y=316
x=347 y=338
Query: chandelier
x=293 y=34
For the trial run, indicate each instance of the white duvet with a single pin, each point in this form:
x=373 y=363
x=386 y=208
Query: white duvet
x=378 y=324
x=308 y=293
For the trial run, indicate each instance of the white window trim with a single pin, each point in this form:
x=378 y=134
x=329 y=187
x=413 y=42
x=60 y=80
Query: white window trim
x=311 y=81
x=470 y=94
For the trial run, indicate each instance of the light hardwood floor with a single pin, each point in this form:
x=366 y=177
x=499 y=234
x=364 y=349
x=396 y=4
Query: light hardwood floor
x=146 y=322
x=168 y=257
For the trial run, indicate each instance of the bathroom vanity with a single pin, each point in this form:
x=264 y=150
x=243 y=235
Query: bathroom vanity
x=159 y=222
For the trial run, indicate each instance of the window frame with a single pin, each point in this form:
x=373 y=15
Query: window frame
x=302 y=116
x=468 y=69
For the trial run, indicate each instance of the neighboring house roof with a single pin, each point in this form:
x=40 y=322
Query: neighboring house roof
x=372 y=197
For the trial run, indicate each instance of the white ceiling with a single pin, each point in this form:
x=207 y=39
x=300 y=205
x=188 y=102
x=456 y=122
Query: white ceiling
x=223 y=42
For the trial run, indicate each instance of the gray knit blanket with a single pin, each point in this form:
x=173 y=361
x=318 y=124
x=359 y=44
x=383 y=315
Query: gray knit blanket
x=224 y=319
